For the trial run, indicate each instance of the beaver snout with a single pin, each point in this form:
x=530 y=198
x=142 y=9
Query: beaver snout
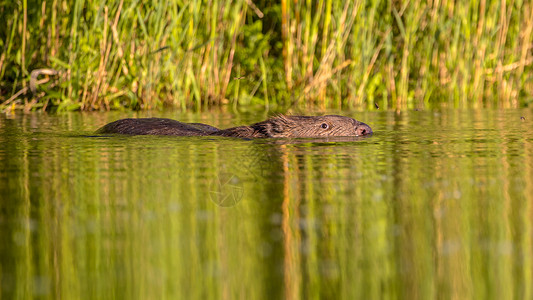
x=363 y=129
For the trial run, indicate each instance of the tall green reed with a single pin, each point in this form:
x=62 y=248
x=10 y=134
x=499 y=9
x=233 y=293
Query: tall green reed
x=129 y=53
x=196 y=54
x=416 y=54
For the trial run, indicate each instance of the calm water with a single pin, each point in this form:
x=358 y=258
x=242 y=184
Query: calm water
x=436 y=204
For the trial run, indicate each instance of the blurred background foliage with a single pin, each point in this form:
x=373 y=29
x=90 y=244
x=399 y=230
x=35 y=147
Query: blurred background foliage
x=98 y=55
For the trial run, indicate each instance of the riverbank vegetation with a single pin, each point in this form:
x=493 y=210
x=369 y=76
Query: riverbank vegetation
x=98 y=55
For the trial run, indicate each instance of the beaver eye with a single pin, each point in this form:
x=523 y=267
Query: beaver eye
x=324 y=125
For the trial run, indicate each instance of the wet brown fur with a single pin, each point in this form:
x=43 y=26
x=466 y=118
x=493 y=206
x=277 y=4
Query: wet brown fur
x=276 y=127
x=157 y=126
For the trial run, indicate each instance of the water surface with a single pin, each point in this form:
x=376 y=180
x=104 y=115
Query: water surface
x=436 y=204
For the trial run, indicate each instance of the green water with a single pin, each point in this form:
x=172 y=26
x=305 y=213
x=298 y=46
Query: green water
x=436 y=204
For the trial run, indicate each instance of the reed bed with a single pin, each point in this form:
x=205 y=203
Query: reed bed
x=98 y=55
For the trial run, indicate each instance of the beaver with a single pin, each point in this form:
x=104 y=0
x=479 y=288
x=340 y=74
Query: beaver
x=280 y=126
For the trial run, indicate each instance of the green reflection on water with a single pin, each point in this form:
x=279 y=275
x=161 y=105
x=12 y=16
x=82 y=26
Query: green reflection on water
x=434 y=205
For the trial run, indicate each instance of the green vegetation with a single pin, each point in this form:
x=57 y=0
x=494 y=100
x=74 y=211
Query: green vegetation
x=97 y=55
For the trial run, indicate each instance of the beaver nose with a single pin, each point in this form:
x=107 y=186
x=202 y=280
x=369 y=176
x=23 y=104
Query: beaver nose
x=363 y=129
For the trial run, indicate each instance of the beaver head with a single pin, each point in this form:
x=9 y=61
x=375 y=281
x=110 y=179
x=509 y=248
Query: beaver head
x=300 y=127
